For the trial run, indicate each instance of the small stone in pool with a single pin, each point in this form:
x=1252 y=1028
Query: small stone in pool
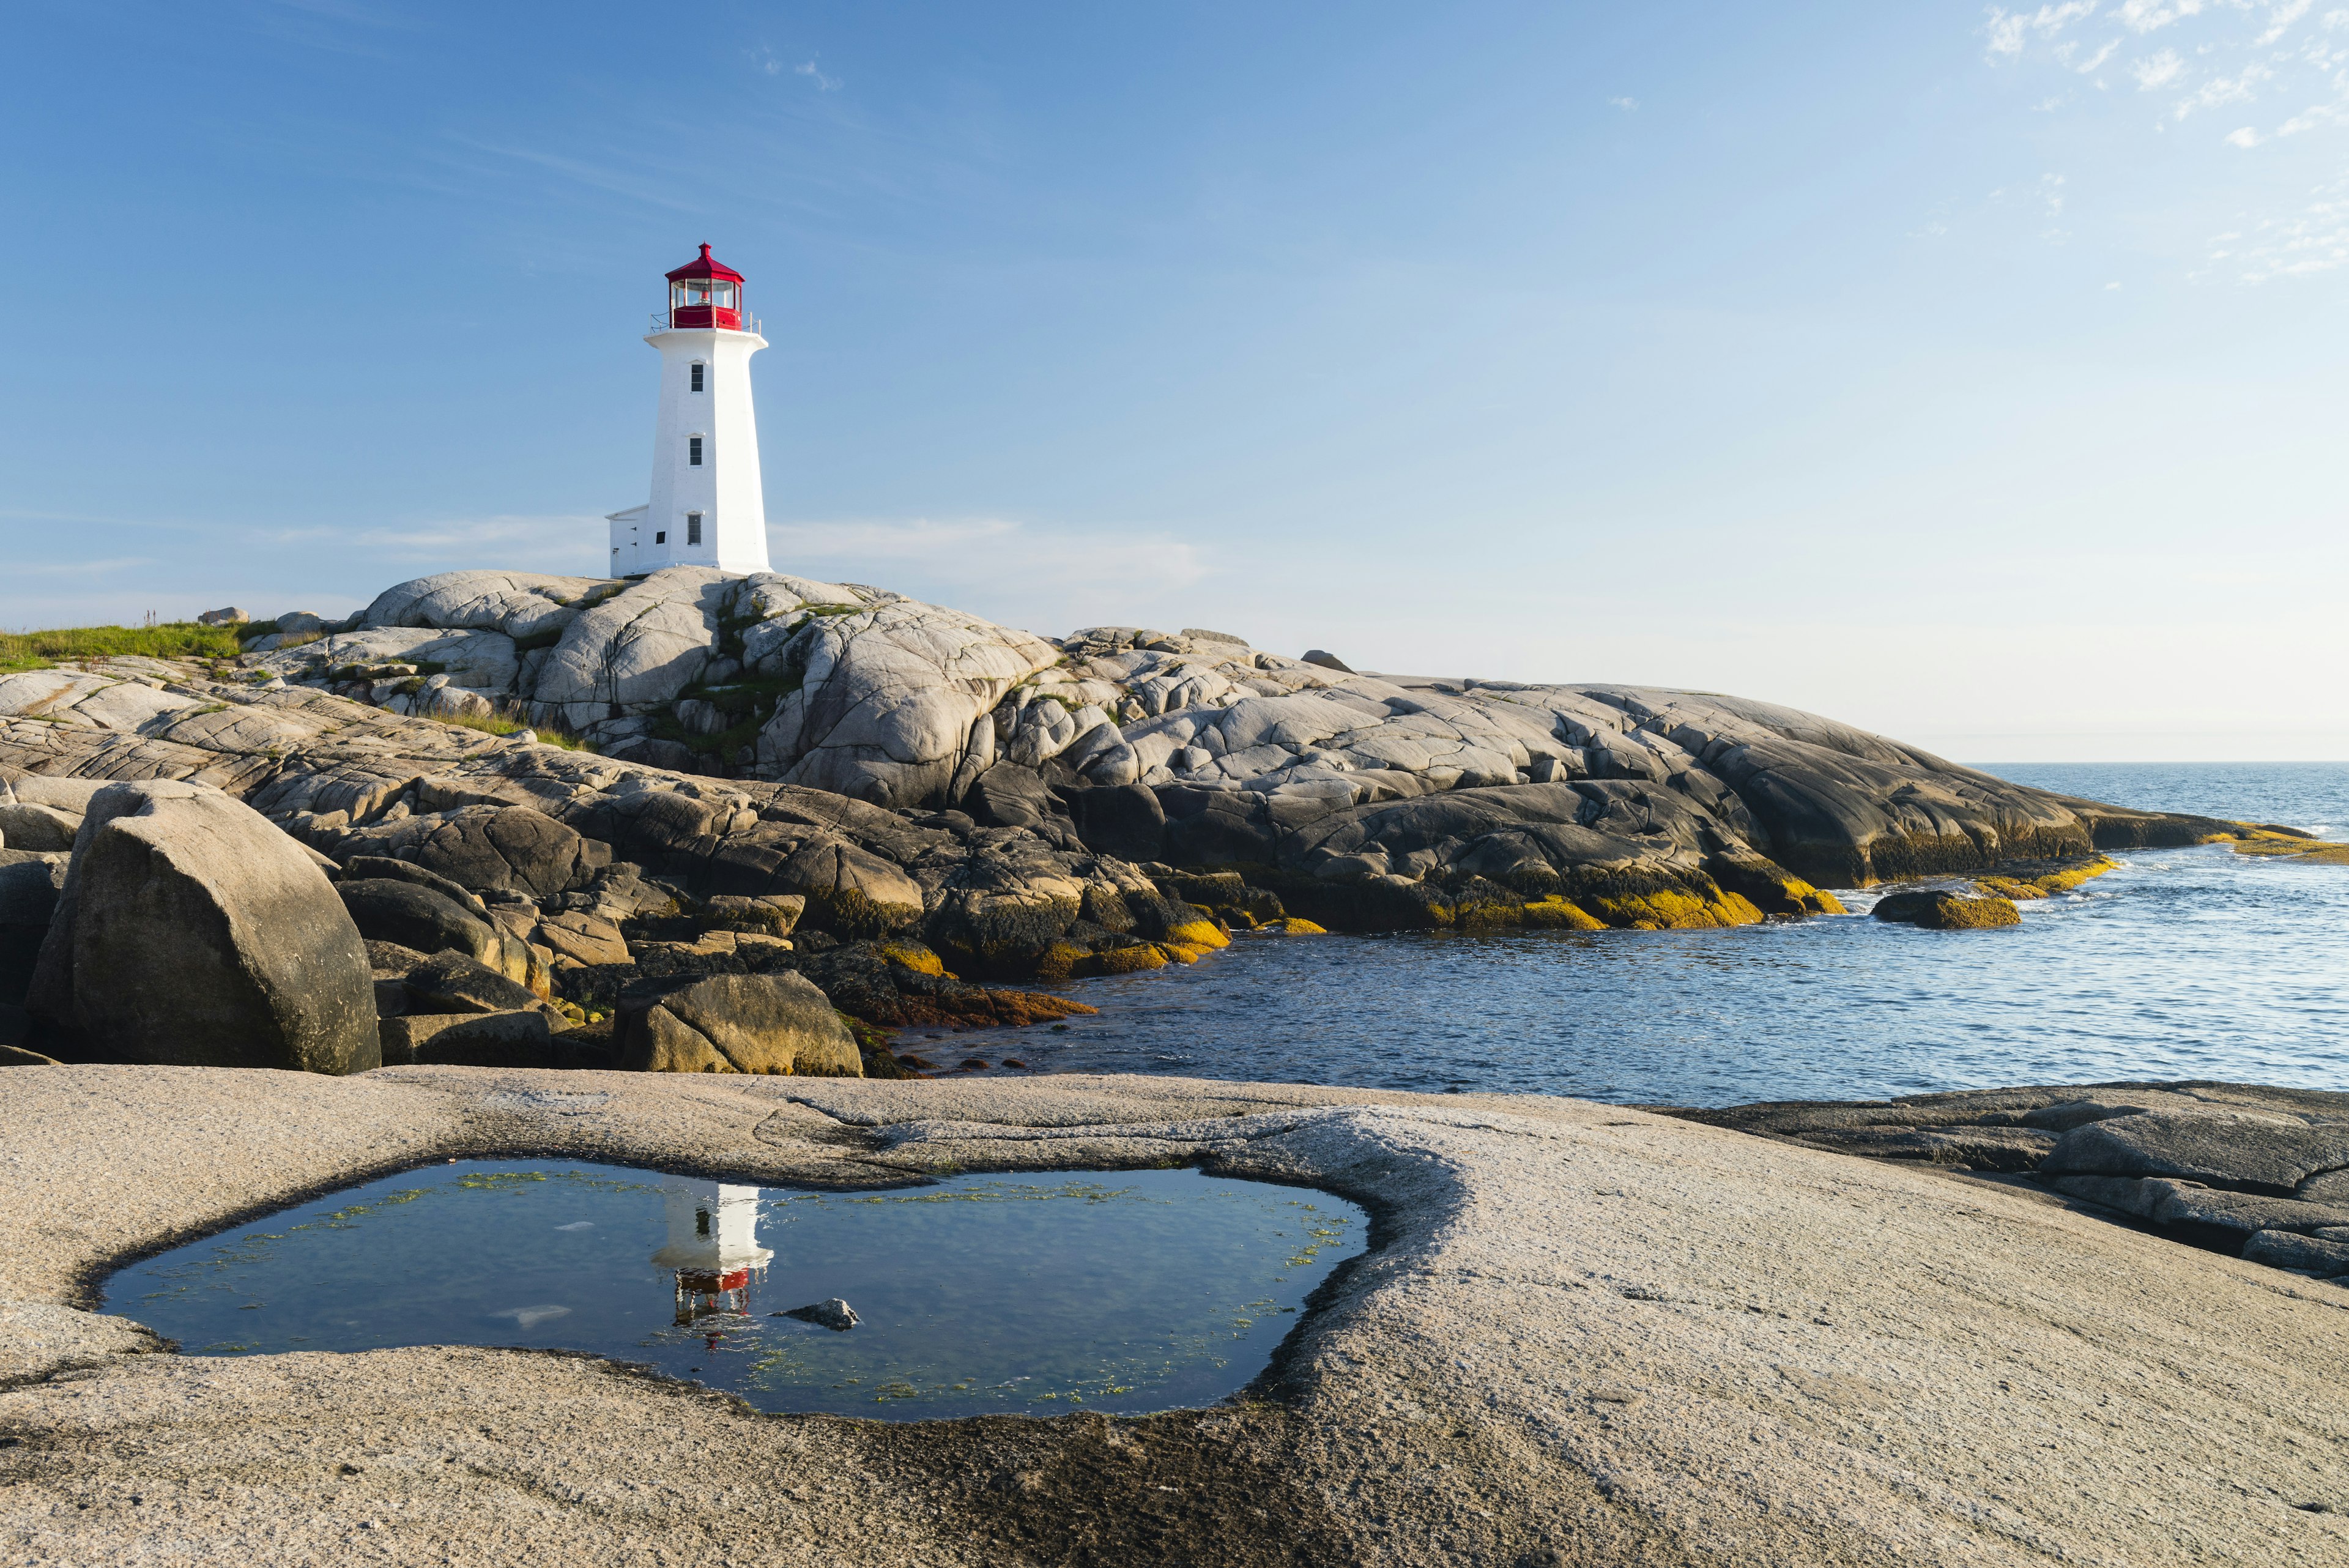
x=1060 y=1029
x=907 y=1059
x=835 y=1315
x=973 y=1061
x=1015 y=1062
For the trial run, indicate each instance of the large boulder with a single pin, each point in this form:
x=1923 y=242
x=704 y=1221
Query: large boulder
x=639 y=648
x=891 y=698
x=193 y=932
x=734 y=1024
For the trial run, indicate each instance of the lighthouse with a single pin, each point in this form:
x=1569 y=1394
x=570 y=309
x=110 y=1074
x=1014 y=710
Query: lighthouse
x=707 y=507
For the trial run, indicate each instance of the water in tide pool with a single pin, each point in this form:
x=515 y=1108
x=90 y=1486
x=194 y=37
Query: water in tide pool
x=2184 y=963
x=1128 y=1291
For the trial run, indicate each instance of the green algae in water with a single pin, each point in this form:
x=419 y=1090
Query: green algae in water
x=1123 y=1292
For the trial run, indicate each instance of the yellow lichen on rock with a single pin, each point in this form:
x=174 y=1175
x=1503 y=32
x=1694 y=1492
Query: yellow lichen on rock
x=1293 y=925
x=2299 y=851
x=1060 y=961
x=1937 y=909
x=2063 y=879
x=1204 y=934
x=1123 y=961
x=914 y=956
x=1668 y=910
x=1559 y=914
x=1814 y=900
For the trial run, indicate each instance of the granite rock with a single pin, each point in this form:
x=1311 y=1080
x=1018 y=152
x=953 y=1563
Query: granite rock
x=190 y=931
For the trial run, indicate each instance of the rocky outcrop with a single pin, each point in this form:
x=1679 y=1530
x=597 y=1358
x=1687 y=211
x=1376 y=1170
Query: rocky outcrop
x=190 y=931
x=2257 y=1172
x=1021 y=806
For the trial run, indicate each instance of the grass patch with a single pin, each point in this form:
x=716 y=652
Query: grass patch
x=504 y=721
x=175 y=639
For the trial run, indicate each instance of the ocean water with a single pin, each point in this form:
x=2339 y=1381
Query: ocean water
x=1129 y=1291
x=2184 y=963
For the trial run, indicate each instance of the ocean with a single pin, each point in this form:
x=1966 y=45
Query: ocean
x=2185 y=963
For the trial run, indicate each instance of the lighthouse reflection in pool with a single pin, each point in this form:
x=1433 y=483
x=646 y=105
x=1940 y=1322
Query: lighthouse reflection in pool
x=713 y=1248
x=1125 y=1290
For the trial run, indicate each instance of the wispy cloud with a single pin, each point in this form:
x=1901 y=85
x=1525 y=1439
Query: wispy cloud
x=2238 y=89
x=2010 y=31
x=2148 y=15
x=2214 y=54
x=775 y=65
x=2281 y=20
x=2314 y=240
x=1624 y=104
x=2156 y=71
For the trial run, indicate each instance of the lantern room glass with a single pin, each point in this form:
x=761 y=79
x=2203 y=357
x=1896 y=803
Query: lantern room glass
x=702 y=297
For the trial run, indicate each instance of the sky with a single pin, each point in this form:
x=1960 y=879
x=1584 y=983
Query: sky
x=1971 y=375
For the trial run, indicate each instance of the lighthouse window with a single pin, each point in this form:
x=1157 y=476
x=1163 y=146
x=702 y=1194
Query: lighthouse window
x=696 y=375
x=725 y=297
x=693 y=527
x=693 y=451
x=661 y=537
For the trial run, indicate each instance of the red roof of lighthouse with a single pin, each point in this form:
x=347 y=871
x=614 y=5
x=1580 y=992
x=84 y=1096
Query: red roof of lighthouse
x=705 y=265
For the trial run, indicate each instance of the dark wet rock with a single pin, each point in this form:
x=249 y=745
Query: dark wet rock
x=514 y=1039
x=2273 y=1152
x=454 y=982
x=1010 y=796
x=2308 y=1254
x=383 y=868
x=2213 y=1164
x=191 y=932
x=1123 y=820
x=773 y=913
x=835 y=1315
x=2231 y=1216
x=1937 y=910
x=392 y=959
x=13 y=1055
x=733 y=1023
x=903 y=986
x=2327 y=1187
x=29 y=885
x=418 y=918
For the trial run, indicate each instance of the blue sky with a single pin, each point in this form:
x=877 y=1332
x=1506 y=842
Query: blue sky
x=1972 y=375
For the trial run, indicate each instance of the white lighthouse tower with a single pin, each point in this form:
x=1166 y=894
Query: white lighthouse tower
x=707 y=507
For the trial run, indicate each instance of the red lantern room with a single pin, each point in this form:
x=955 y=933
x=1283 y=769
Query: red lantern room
x=705 y=292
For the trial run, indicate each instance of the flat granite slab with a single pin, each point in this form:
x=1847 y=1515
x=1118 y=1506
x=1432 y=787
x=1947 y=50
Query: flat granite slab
x=1584 y=1335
